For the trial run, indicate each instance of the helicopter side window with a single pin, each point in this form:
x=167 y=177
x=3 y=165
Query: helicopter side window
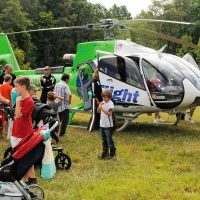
x=121 y=67
x=133 y=76
x=109 y=66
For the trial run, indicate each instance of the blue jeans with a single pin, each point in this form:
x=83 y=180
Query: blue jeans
x=106 y=136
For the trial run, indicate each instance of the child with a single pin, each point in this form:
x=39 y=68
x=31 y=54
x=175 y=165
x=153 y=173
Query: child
x=33 y=91
x=5 y=89
x=54 y=101
x=5 y=92
x=157 y=118
x=22 y=125
x=106 y=108
x=14 y=96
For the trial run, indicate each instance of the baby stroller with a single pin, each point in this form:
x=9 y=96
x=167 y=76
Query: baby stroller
x=14 y=167
x=43 y=114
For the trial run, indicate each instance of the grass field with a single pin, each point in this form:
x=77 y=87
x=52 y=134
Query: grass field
x=153 y=162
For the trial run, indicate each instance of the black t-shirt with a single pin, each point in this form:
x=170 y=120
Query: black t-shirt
x=49 y=84
x=2 y=79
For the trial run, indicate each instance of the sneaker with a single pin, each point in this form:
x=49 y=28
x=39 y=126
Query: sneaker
x=112 y=154
x=156 y=121
x=103 y=155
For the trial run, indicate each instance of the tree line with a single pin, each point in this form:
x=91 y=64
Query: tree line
x=47 y=47
x=178 y=10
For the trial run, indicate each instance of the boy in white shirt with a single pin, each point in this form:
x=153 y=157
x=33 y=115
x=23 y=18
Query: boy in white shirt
x=106 y=108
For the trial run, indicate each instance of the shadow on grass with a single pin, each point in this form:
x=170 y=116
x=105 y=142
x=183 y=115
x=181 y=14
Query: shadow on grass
x=156 y=130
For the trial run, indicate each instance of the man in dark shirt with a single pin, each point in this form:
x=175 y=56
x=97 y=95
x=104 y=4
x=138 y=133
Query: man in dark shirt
x=47 y=83
x=8 y=70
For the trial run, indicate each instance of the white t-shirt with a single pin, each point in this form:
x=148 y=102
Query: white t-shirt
x=105 y=120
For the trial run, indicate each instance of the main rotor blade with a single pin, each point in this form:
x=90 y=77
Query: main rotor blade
x=47 y=29
x=164 y=36
x=156 y=20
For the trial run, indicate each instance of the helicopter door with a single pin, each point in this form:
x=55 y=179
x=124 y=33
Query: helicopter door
x=85 y=71
x=121 y=75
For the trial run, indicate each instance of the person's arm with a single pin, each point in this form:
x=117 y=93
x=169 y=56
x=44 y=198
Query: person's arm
x=60 y=98
x=23 y=109
x=52 y=83
x=68 y=92
x=109 y=112
x=99 y=107
x=70 y=98
x=18 y=113
x=97 y=100
x=3 y=100
x=42 y=82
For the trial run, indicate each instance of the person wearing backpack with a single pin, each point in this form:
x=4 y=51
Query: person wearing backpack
x=106 y=109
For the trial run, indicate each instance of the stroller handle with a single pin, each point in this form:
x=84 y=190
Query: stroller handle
x=53 y=127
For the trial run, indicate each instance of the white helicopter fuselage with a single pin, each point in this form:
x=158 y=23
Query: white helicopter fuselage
x=148 y=81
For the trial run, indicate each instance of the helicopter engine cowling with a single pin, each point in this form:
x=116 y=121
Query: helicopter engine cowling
x=69 y=58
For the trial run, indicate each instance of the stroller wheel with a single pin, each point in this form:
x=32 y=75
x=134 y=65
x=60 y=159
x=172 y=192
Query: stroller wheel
x=36 y=191
x=63 y=161
x=8 y=152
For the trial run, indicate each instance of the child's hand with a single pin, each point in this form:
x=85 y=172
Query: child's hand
x=98 y=109
x=7 y=101
x=98 y=102
x=101 y=105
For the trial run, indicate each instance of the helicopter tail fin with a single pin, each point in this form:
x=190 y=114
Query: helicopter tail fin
x=6 y=53
x=190 y=59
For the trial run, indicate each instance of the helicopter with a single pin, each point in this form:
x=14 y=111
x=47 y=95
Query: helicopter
x=142 y=80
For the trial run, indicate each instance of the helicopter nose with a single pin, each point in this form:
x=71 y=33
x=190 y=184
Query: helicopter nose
x=191 y=93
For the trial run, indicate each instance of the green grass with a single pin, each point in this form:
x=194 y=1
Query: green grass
x=153 y=162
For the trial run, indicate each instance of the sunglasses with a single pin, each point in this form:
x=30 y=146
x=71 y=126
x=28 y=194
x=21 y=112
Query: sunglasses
x=46 y=69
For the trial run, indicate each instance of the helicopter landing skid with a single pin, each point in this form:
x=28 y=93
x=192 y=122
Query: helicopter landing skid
x=128 y=120
x=179 y=115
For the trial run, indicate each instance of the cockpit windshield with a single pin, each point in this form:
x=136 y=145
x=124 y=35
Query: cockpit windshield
x=164 y=81
x=186 y=69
